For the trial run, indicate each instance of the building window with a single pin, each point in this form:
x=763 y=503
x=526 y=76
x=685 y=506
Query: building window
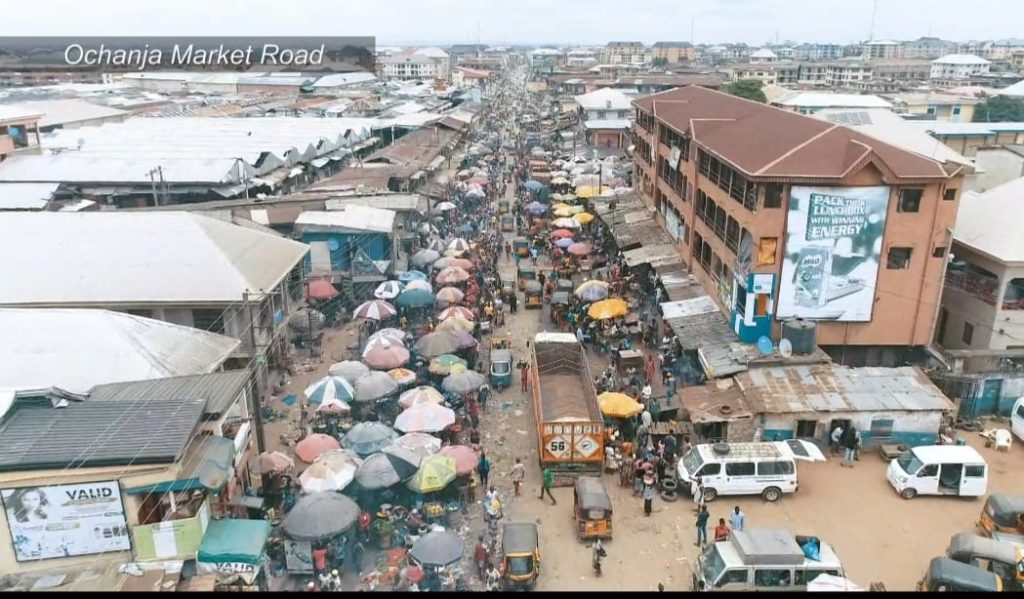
x=767 y=247
x=773 y=195
x=910 y=200
x=1013 y=298
x=949 y=195
x=956 y=110
x=899 y=258
x=968 y=333
x=208 y=320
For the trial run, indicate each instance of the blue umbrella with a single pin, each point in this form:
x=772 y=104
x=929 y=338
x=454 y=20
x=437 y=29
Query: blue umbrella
x=415 y=298
x=412 y=275
x=536 y=208
x=367 y=438
x=329 y=387
x=564 y=242
x=534 y=185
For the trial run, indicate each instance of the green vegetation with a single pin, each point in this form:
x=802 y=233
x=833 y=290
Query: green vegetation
x=1000 y=109
x=747 y=88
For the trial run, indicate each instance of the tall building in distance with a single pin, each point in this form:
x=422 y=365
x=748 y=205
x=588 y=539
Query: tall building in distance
x=781 y=215
x=673 y=52
x=634 y=53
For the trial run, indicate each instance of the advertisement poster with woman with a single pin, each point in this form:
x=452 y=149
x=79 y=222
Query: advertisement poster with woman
x=833 y=250
x=66 y=520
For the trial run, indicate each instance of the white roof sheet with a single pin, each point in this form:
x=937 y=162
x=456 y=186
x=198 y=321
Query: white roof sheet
x=891 y=128
x=948 y=128
x=823 y=99
x=960 y=59
x=10 y=112
x=84 y=168
x=604 y=99
x=982 y=222
x=111 y=258
x=68 y=111
x=432 y=52
x=356 y=218
x=343 y=79
x=26 y=196
x=607 y=124
x=1017 y=89
x=108 y=347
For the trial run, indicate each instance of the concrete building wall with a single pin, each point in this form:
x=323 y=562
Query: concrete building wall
x=980 y=311
x=911 y=428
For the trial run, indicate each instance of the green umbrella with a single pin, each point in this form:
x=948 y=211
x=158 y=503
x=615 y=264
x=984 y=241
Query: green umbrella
x=435 y=473
x=443 y=363
x=415 y=298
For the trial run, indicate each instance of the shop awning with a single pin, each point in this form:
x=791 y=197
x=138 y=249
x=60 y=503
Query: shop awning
x=319 y=162
x=233 y=541
x=207 y=465
x=184 y=484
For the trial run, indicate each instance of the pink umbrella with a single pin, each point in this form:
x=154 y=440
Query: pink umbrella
x=320 y=289
x=385 y=355
x=451 y=295
x=560 y=233
x=579 y=249
x=457 y=311
x=452 y=274
x=315 y=445
x=461 y=263
x=272 y=462
x=466 y=459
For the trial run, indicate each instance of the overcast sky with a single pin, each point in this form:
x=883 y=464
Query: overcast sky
x=562 y=22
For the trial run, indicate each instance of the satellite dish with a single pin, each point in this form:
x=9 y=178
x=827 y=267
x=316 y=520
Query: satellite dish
x=764 y=345
x=785 y=348
x=333 y=244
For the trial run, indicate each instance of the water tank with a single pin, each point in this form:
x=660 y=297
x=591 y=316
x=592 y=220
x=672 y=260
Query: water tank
x=802 y=334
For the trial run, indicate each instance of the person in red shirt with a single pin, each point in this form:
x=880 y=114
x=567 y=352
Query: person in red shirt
x=721 y=531
x=480 y=557
x=320 y=559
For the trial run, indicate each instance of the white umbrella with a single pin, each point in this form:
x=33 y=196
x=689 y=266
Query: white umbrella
x=446 y=206
x=458 y=244
x=425 y=418
x=420 y=395
x=424 y=285
x=388 y=290
x=389 y=333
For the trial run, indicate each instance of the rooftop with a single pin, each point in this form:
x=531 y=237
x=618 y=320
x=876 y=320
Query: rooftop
x=37 y=436
x=217 y=390
x=981 y=223
x=830 y=100
x=117 y=258
x=108 y=347
x=348 y=218
x=891 y=128
x=763 y=141
x=26 y=196
x=68 y=111
x=9 y=112
x=604 y=99
x=966 y=59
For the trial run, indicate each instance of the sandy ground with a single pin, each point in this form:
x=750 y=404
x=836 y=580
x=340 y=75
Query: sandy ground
x=878 y=536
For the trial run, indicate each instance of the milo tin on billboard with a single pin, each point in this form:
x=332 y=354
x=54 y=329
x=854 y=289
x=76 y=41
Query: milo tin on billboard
x=832 y=253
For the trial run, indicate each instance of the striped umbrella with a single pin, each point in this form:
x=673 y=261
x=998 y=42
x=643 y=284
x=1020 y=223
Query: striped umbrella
x=421 y=285
x=452 y=274
x=420 y=444
x=388 y=290
x=436 y=245
x=385 y=355
x=332 y=471
x=389 y=333
x=329 y=387
x=458 y=244
x=375 y=310
x=456 y=311
x=420 y=395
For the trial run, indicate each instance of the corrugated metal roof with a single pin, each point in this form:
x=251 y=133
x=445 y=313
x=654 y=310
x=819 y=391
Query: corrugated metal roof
x=17 y=113
x=110 y=258
x=981 y=222
x=834 y=388
x=701 y=327
x=36 y=436
x=352 y=218
x=218 y=390
x=68 y=111
x=107 y=347
x=399 y=202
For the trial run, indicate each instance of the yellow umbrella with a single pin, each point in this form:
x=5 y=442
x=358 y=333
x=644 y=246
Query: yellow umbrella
x=435 y=473
x=559 y=181
x=586 y=191
x=456 y=323
x=618 y=405
x=566 y=223
x=457 y=368
x=402 y=376
x=576 y=209
x=563 y=212
x=609 y=308
x=560 y=206
x=583 y=217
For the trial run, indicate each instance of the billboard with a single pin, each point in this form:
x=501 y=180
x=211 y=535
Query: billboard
x=66 y=520
x=832 y=253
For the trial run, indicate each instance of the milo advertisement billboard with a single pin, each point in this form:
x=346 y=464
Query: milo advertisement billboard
x=832 y=253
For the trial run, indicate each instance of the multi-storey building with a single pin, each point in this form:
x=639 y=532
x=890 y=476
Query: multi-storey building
x=674 y=52
x=958 y=66
x=427 y=63
x=785 y=216
x=581 y=58
x=634 y=53
x=779 y=73
x=928 y=48
x=881 y=49
x=818 y=52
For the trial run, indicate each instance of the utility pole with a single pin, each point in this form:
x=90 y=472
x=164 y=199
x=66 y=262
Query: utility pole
x=692 y=22
x=255 y=403
x=152 y=182
x=874 y=11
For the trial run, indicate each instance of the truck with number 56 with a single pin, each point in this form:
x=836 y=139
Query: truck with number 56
x=570 y=428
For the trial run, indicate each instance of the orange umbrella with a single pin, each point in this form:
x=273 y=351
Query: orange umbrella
x=560 y=233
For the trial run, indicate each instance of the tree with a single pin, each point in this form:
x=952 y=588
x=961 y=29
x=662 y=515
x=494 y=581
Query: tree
x=1000 y=109
x=659 y=62
x=747 y=88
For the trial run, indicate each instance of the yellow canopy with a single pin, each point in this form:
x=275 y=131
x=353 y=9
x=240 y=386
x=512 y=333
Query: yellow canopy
x=587 y=191
x=609 y=308
x=565 y=223
x=583 y=217
x=576 y=209
x=618 y=405
x=560 y=206
x=434 y=474
x=562 y=212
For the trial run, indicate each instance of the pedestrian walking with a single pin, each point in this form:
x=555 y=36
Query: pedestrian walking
x=513 y=301
x=480 y=556
x=834 y=439
x=483 y=468
x=737 y=520
x=849 y=443
x=474 y=413
x=702 y=526
x=482 y=396
x=524 y=374
x=549 y=481
x=648 y=494
x=517 y=474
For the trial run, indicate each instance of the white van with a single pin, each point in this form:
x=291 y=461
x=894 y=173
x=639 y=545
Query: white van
x=766 y=469
x=939 y=470
x=1017 y=418
x=762 y=560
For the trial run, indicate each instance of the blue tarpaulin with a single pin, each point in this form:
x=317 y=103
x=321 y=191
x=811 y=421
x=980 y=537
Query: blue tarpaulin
x=234 y=542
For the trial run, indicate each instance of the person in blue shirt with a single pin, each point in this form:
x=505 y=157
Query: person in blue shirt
x=737 y=520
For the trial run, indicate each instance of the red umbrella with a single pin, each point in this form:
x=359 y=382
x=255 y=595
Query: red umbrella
x=466 y=459
x=579 y=249
x=321 y=289
x=558 y=233
x=313 y=446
